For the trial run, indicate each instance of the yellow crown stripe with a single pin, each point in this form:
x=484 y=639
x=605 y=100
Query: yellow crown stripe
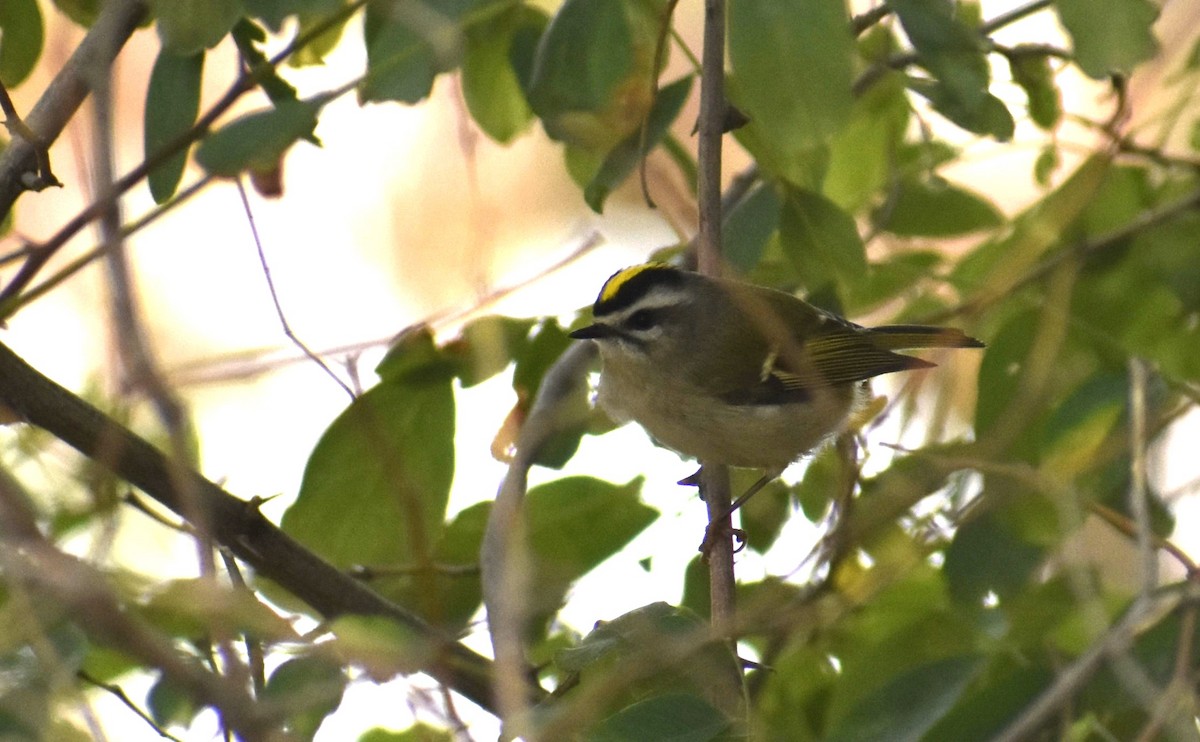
x=620 y=278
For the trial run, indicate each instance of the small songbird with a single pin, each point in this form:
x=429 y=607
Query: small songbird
x=732 y=373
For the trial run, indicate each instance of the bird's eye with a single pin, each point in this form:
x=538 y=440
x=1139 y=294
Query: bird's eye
x=642 y=319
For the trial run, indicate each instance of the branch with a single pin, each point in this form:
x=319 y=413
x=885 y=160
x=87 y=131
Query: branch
x=245 y=82
x=904 y=59
x=714 y=478
x=48 y=118
x=233 y=523
x=504 y=554
x=33 y=563
x=1116 y=641
x=44 y=178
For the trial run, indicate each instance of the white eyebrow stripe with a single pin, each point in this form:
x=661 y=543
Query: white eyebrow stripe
x=657 y=298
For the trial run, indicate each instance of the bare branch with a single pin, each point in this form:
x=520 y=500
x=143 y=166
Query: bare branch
x=234 y=523
x=504 y=555
x=49 y=116
x=83 y=592
x=44 y=178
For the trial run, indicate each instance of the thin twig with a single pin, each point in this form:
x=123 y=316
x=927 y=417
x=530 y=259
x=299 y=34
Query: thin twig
x=714 y=480
x=41 y=152
x=1010 y=17
x=56 y=106
x=903 y=59
x=1115 y=642
x=1083 y=251
x=237 y=366
x=86 y=259
x=660 y=53
x=369 y=572
x=863 y=21
x=119 y=693
x=1138 y=504
x=287 y=328
x=245 y=82
x=254 y=652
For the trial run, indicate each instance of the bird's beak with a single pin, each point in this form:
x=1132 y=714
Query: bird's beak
x=595 y=331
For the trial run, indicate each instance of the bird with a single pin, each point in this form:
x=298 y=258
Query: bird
x=729 y=372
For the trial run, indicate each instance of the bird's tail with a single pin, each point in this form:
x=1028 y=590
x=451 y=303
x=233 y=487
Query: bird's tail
x=900 y=337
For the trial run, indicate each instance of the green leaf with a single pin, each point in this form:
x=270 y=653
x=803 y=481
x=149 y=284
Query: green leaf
x=106 y=664
x=454 y=579
x=910 y=704
x=805 y=45
x=679 y=717
x=490 y=83
x=187 y=27
x=821 y=241
x=622 y=160
x=195 y=607
x=316 y=49
x=986 y=710
x=996 y=266
x=415 y=733
x=310 y=688
x=749 y=226
x=1047 y=162
x=383 y=648
x=406 y=49
x=21 y=38
x=710 y=670
x=593 y=69
x=863 y=154
x=896 y=275
x=1081 y=424
x=763 y=516
x=170 y=705
x=172 y=103
x=574 y=524
x=1031 y=70
x=258 y=141
x=547 y=344
x=486 y=346
x=249 y=37
x=273 y=12
x=936 y=208
x=793 y=698
x=988 y=116
x=83 y=12
x=1109 y=36
x=987 y=556
x=415 y=356
x=1000 y=371
x=375 y=488
x=948 y=48
x=823 y=478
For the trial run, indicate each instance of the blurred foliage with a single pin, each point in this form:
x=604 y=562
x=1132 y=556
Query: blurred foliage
x=952 y=584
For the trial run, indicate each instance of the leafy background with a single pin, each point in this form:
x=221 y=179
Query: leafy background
x=940 y=588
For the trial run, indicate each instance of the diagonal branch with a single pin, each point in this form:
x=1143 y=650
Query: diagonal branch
x=233 y=523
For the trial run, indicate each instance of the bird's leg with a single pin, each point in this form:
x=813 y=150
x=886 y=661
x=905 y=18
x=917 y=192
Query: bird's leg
x=711 y=534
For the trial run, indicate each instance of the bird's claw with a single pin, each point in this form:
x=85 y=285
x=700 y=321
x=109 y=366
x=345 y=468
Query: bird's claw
x=713 y=533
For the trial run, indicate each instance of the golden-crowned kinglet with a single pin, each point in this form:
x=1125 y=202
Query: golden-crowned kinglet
x=732 y=373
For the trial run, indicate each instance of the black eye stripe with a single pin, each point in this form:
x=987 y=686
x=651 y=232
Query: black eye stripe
x=643 y=319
